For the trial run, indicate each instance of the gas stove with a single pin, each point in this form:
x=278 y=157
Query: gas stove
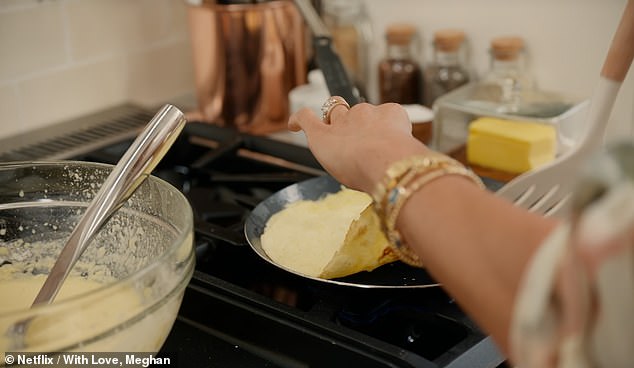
x=241 y=311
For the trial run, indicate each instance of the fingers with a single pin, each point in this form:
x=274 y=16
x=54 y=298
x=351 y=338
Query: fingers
x=304 y=119
x=332 y=103
x=336 y=114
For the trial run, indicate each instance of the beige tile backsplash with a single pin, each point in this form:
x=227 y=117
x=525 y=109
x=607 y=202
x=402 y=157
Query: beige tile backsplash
x=65 y=58
x=73 y=91
x=98 y=28
x=31 y=39
x=9 y=116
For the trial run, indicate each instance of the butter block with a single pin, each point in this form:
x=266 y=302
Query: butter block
x=509 y=145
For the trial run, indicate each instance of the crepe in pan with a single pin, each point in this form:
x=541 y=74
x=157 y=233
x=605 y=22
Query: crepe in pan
x=333 y=237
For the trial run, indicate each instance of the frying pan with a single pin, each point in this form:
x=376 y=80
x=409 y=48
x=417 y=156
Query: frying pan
x=392 y=275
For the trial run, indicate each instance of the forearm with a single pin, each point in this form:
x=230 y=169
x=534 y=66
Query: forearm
x=476 y=245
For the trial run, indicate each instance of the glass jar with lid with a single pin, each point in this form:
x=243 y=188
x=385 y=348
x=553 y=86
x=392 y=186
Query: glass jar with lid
x=447 y=70
x=507 y=81
x=351 y=32
x=400 y=74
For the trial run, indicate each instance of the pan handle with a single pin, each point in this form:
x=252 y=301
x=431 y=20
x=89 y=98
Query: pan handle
x=311 y=17
x=337 y=78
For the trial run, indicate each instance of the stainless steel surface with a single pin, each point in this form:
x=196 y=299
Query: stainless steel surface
x=77 y=136
x=134 y=167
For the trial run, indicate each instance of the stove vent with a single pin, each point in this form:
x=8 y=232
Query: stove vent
x=76 y=137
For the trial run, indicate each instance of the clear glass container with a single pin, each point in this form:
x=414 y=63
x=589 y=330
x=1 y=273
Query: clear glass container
x=140 y=262
x=447 y=71
x=400 y=74
x=351 y=32
x=504 y=86
x=454 y=112
x=507 y=91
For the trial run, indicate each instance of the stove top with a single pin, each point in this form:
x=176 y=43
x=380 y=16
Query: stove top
x=241 y=311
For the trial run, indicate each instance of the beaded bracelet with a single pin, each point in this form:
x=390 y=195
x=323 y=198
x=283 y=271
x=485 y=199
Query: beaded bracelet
x=401 y=171
x=404 y=178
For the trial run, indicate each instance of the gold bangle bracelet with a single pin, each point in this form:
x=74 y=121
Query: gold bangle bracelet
x=404 y=252
x=421 y=171
x=400 y=169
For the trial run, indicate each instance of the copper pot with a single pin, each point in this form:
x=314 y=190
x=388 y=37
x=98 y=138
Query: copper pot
x=247 y=57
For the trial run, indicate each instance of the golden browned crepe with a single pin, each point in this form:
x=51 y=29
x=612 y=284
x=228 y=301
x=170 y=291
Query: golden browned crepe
x=333 y=237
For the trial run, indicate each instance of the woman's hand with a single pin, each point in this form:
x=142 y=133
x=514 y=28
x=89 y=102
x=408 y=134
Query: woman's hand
x=357 y=146
x=473 y=242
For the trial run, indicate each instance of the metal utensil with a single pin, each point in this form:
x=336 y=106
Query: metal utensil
x=548 y=189
x=134 y=167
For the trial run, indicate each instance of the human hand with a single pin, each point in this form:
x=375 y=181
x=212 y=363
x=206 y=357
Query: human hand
x=357 y=146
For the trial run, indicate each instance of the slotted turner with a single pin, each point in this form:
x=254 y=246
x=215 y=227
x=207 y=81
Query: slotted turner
x=547 y=190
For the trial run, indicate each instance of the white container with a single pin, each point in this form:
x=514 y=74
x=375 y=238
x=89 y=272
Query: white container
x=311 y=95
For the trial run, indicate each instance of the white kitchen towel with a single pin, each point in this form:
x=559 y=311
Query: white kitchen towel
x=576 y=303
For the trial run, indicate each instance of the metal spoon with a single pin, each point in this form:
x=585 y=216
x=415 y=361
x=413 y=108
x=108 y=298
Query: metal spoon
x=132 y=169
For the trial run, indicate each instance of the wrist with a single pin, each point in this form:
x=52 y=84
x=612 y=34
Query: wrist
x=375 y=168
x=403 y=179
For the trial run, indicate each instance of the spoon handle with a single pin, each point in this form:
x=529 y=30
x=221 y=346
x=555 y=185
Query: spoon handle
x=615 y=67
x=621 y=51
x=132 y=169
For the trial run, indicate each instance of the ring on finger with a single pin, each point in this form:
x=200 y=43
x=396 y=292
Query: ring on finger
x=330 y=104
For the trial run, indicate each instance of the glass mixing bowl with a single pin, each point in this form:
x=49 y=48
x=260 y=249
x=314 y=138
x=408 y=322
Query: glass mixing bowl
x=137 y=266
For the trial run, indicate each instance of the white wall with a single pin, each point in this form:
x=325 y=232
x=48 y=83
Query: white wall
x=566 y=40
x=64 y=58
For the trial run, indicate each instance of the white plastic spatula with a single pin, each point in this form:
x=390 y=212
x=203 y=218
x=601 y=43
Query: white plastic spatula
x=547 y=190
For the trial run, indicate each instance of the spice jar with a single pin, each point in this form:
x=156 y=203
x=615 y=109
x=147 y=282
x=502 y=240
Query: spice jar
x=507 y=79
x=447 y=71
x=400 y=74
x=351 y=32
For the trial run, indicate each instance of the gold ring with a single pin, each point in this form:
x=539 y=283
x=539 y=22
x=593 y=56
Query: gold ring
x=330 y=104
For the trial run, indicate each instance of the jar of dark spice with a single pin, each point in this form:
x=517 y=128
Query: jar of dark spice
x=400 y=74
x=447 y=70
